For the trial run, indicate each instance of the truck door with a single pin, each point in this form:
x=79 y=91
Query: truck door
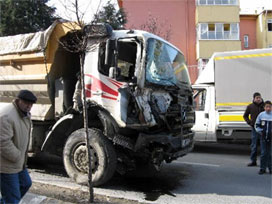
x=108 y=86
x=202 y=115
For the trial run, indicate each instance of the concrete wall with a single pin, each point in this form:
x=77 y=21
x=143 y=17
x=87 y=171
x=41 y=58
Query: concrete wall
x=248 y=27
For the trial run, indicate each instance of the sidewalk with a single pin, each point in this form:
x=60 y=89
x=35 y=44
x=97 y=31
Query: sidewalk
x=31 y=198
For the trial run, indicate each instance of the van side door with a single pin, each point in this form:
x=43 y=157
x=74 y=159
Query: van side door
x=202 y=115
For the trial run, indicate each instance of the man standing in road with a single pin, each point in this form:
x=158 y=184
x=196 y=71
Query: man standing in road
x=264 y=128
x=15 y=130
x=253 y=110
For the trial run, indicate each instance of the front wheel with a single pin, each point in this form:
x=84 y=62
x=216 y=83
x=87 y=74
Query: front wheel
x=103 y=157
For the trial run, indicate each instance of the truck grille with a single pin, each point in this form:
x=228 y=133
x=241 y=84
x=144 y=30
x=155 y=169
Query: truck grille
x=174 y=119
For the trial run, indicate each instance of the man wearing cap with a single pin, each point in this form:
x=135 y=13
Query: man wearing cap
x=250 y=116
x=15 y=130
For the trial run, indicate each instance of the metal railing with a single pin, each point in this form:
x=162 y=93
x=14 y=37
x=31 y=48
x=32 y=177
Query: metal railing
x=214 y=35
x=218 y=2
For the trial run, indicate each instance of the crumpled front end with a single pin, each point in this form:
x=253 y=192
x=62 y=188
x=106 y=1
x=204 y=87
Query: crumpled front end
x=167 y=117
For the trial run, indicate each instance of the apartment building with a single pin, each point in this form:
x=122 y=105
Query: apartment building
x=256 y=29
x=248 y=31
x=174 y=16
x=201 y=27
x=218 y=30
x=264 y=29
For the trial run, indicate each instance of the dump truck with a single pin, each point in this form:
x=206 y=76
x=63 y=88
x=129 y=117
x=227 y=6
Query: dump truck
x=138 y=94
x=224 y=89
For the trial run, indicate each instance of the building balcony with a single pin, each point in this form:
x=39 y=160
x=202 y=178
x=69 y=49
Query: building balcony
x=206 y=48
x=217 y=13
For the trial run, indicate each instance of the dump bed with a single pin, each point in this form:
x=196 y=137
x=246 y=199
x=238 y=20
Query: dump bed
x=22 y=66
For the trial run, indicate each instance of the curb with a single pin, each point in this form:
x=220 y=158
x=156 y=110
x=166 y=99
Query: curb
x=73 y=196
x=61 y=187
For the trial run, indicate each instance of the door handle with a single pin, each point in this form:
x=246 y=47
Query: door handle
x=206 y=115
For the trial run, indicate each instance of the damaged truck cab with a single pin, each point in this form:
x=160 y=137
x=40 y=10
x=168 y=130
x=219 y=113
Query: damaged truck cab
x=140 y=107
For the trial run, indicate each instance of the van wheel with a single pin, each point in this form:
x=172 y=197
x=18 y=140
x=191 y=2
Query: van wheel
x=103 y=157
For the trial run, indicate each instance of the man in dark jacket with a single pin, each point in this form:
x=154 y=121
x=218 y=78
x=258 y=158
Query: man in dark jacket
x=15 y=130
x=250 y=116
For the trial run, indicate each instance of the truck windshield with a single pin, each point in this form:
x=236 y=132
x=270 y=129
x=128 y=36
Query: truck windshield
x=165 y=64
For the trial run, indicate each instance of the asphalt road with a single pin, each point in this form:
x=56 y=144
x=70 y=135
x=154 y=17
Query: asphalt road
x=211 y=174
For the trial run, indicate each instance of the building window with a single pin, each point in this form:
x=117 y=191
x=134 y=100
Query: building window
x=217 y=2
x=246 y=41
x=218 y=31
x=211 y=29
x=269 y=24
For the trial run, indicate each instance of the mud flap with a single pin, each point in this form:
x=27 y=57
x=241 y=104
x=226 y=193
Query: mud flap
x=61 y=129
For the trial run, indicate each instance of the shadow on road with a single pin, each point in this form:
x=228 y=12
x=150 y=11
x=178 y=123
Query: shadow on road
x=220 y=148
x=152 y=185
x=162 y=183
x=180 y=178
x=47 y=164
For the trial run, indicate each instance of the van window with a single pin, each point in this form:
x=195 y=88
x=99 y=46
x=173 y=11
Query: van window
x=199 y=99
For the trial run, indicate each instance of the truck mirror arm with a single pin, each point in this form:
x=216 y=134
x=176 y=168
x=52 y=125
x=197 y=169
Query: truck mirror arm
x=114 y=72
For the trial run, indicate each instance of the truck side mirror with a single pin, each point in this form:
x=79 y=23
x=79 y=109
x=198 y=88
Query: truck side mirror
x=114 y=72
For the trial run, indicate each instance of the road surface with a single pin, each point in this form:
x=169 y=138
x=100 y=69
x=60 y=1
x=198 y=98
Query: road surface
x=211 y=174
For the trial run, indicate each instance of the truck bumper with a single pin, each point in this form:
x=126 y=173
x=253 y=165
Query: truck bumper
x=175 y=146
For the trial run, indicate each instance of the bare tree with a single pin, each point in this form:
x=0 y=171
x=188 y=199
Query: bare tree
x=157 y=27
x=76 y=42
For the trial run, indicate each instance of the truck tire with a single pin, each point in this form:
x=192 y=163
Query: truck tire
x=103 y=157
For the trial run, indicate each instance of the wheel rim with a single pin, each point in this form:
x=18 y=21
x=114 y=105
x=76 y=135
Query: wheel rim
x=80 y=159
